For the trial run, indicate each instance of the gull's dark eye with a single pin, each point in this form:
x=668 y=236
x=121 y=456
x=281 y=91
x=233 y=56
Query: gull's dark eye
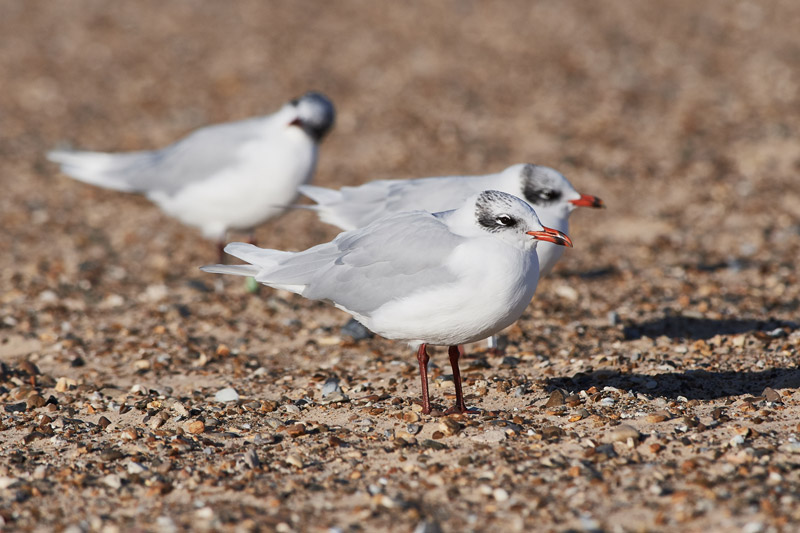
x=294 y=101
x=548 y=194
x=505 y=220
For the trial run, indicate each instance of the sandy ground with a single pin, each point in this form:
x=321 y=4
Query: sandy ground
x=650 y=386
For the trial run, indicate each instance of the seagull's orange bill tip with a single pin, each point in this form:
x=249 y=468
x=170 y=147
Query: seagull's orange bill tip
x=551 y=235
x=587 y=200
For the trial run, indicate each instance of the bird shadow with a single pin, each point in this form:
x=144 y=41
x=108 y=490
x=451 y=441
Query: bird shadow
x=691 y=384
x=696 y=328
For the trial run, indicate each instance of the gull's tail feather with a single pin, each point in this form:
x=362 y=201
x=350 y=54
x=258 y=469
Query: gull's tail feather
x=263 y=265
x=321 y=195
x=260 y=258
x=329 y=207
x=112 y=171
x=236 y=270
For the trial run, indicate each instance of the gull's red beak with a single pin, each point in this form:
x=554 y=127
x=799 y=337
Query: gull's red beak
x=551 y=235
x=587 y=200
x=296 y=122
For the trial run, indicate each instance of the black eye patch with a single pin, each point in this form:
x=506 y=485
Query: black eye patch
x=540 y=196
x=494 y=222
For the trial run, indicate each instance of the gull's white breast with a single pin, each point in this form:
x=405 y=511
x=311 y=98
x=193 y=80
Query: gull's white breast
x=495 y=282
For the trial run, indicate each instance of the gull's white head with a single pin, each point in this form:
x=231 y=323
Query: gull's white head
x=547 y=190
x=503 y=216
x=314 y=114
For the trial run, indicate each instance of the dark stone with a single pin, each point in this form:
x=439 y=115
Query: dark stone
x=355 y=330
x=16 y=407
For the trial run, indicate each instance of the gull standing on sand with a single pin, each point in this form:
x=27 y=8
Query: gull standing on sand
x=232 y=176
x=547 y=190
x=445 y=278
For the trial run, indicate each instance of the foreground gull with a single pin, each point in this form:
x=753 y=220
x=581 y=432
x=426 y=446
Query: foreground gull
x=547 y=190
x=231 y=176
x=446 y=278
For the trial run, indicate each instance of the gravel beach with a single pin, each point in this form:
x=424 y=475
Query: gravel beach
x=651 y=385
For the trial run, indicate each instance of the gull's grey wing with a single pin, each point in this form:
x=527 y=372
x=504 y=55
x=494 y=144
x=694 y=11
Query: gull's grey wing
x=365 y=268
x=359 y=206
x=192 y=159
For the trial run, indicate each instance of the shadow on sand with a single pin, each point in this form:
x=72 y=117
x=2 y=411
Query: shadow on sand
x=692 y=384
x=692 y=328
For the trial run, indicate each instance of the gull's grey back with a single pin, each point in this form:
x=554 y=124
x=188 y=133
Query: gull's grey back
x=363 y=269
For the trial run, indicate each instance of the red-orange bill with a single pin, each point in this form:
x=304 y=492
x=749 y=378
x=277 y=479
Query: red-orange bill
x=551 y=235
x=587 y=200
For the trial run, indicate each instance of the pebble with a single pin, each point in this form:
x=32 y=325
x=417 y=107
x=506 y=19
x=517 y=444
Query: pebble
x=16 y=407
x=228 y=394
x=64 y=384
x=433 y=445
x=111 y=454
x=223 y=351
x=657 y=416
x=567 y=292
x=771 y=395
x=623 y=432
x=580 y=414
x=291 y=408
x=29 y=368
x=607 y=401
x=296 y=430
x=336 y=397
x=331 y=386
x=411 y=417
x=509 y=361
x=295 y=460
x=135 y=468
x=552 y=432
x=450 y=427
x=573 y=400
x=500 y=495
x=557 y=397
x=179 y=409
x=195 y=427
x=112 y=481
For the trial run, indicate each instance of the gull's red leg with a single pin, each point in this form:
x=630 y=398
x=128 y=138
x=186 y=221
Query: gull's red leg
x=455 y=353
x=221 y=251
x=252 y=239
x=423 y=358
